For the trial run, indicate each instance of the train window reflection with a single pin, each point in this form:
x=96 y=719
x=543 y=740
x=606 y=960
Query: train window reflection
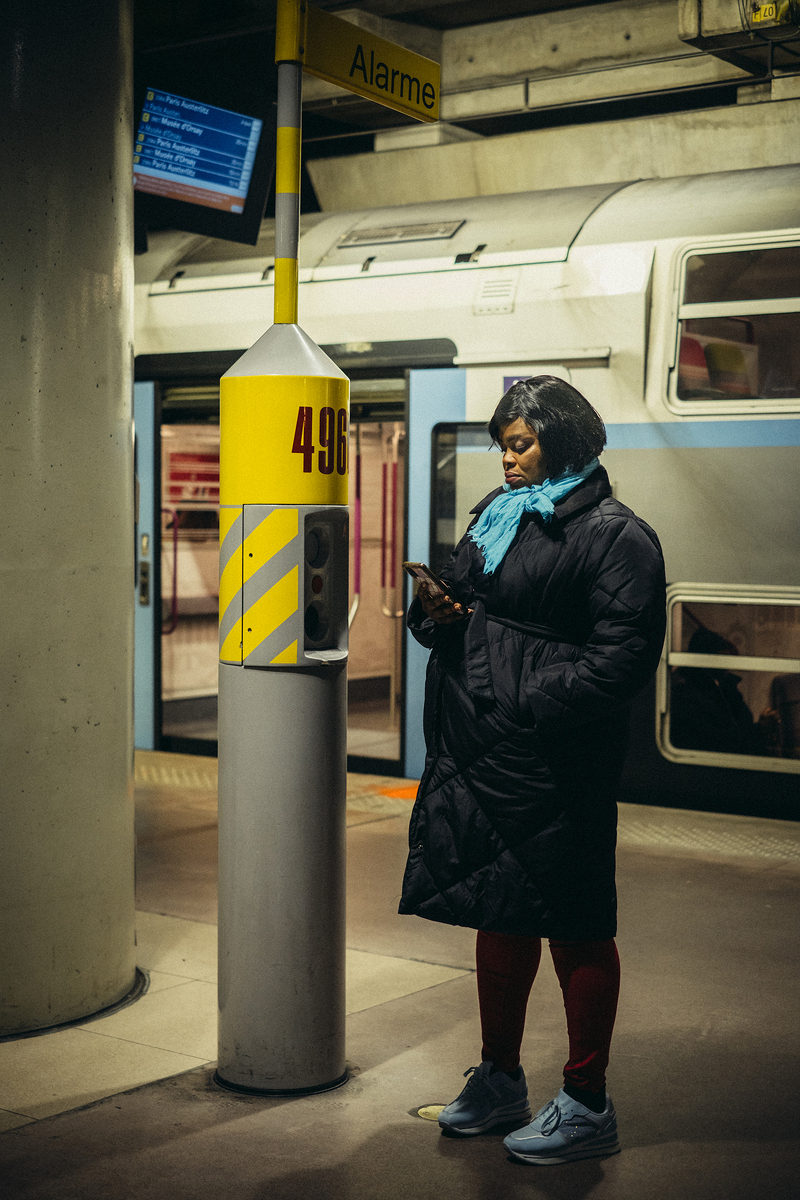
x=739 y=328
x=732 y=682
x=463 y=472
x=766 y=274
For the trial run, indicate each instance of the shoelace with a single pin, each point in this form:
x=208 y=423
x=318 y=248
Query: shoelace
x=551 y=1118
x=473 y=1080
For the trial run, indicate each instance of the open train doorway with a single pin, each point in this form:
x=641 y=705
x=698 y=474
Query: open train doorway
x=375 y=665
x=189 y=584
x=177 y=662
x=377 y=542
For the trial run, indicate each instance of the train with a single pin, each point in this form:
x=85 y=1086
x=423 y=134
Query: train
x=672 y=304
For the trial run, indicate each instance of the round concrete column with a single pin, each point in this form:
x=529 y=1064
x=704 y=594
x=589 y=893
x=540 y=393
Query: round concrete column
x=66 y=479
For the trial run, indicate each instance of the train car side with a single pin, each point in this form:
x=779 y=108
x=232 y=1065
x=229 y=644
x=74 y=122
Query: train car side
x=674 y=306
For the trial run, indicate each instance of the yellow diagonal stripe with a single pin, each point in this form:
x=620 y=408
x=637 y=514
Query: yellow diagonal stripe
x=231 y=649
x=289 y=655
x=227 y=516
x=230 y=586
x=268 y=537
x=230 y=581
x=271 y=610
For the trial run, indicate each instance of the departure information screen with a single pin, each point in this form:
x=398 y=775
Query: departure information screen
x=194 y=152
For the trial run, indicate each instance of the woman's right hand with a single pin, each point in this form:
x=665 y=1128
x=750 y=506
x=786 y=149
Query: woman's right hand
x=440 y=609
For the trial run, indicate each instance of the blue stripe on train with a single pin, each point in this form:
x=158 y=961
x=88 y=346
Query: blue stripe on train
x=702 y=435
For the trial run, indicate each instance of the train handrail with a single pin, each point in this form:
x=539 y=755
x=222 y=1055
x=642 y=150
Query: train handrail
x=388 y=542
x=356 y=535
x=174 y=606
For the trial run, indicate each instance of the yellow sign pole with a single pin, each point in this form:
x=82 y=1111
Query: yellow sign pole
x=289 y=46
x=306 y=38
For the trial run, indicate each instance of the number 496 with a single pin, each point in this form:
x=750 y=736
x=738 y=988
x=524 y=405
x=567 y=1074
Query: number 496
x=332 y=436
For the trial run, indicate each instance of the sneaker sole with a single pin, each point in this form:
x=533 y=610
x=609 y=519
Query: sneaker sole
x=566 y=1156
x=523 y=1115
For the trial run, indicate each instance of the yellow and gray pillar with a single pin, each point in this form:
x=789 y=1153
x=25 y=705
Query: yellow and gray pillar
x=282 y=717
x=282 y=678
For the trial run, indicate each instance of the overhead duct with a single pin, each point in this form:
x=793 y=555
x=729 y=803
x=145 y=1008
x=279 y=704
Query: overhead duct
x=759 y=36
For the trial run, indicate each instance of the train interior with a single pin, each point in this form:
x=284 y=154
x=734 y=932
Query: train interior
x=184 y=651
x=743 y=355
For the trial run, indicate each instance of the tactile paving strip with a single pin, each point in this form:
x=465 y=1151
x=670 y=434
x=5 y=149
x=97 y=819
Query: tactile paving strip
x=683 y=831
x=387 y=806
x=641 y=832
x=159 y=769
x=156 y=770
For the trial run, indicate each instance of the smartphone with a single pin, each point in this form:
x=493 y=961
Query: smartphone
x=422 y=573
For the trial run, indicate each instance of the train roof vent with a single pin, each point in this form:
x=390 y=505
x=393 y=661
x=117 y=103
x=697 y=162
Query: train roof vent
x=383 y=235
x=496 y=294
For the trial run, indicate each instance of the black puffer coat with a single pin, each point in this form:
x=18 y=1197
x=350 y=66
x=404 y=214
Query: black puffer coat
x=526 y=719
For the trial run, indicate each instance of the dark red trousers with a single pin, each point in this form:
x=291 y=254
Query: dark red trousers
x=588 y=973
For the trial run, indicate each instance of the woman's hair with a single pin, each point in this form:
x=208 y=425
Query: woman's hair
x=569 y=430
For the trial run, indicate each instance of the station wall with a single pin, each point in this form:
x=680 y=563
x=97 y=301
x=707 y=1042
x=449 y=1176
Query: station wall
x=686 y=143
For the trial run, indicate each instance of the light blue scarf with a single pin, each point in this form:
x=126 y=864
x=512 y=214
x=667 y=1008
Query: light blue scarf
x=496 y=527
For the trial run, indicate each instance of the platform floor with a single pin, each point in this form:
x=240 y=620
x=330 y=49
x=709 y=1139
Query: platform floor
x=706 y=1056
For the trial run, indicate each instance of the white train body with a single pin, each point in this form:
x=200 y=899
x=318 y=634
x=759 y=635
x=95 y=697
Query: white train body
x=591 y=284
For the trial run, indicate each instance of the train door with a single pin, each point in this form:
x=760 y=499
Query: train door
x=377 y=542
x=189 y=583
x=176 y=665
x=147 y=624
x=436 y=399
x=177 y=457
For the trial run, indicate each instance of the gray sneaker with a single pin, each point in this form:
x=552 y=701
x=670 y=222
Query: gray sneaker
x=565 y=1130
x=487 y=1100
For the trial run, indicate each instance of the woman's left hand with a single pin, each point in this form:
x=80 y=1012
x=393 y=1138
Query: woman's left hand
x=441 y=609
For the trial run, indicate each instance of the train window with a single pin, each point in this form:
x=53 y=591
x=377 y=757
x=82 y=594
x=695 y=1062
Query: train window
x=769 y=274
x=739 y=331
x=463 y=473
x=729 y=680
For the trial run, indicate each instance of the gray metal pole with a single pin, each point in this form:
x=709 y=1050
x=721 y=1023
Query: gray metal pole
x=66 y=558
x=281 y=865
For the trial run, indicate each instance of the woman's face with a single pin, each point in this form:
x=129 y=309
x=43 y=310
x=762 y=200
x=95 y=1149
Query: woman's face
x=523 y=461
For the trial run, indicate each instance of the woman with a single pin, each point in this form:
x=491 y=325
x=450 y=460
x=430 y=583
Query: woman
x=554 y=621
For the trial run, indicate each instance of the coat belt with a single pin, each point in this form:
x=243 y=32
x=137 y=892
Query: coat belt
x=477 y=663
